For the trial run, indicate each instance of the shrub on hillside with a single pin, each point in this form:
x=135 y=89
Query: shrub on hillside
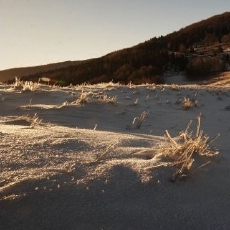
x=204 y=65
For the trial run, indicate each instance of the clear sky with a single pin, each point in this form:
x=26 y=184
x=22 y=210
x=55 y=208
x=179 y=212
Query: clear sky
x=37 y=32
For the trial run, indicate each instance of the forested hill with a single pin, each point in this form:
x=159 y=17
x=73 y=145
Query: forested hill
x=22 y=71
x=198 y=49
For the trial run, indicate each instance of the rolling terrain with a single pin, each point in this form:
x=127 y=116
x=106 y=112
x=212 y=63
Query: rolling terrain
x=92 y=156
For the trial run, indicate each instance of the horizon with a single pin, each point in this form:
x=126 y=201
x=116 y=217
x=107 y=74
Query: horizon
x=45 y=32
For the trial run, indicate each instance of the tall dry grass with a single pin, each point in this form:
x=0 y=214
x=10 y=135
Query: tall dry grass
x=182 y=151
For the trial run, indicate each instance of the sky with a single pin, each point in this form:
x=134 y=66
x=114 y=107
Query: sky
x=38 y=32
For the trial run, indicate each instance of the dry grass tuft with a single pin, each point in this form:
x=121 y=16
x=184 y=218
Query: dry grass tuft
x=35 y=121
x=109 y=100
x=29 y=86
x=26 y=120
x=90 y=97
x=187 y=103
x=181 y=150
x=138 y=121
x=25 y=86
x=83 y=99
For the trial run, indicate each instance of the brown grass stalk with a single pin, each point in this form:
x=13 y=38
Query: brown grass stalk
x=180 y=151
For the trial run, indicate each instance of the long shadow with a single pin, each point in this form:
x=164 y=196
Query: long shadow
x=120 y=201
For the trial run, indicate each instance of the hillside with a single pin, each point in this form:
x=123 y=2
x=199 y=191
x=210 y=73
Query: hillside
x=9 y=74
x=199 y=49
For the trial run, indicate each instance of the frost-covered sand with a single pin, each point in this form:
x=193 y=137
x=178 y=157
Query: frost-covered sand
x=74 y=158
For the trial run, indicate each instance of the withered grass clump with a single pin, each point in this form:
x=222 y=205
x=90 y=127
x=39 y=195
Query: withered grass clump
x=26 y=120
x=83 y=99
x=181 y=150
x=188 y=103
x=138 y=121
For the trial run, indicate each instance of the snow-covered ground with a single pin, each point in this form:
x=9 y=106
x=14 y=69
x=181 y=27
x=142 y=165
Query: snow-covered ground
x=72 y=158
